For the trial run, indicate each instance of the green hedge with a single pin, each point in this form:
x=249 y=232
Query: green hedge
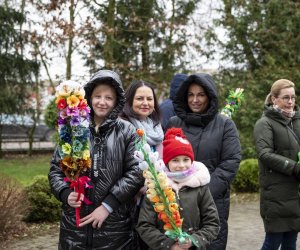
x=43 y=204
x=246 y=180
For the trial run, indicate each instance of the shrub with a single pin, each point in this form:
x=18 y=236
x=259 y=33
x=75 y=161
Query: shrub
x=43 y=204
x=51 y=114
x=13 y=205
x=246 y=179
x=51 y=117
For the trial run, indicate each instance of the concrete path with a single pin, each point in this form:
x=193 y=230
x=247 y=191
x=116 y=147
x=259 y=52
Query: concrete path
x=45 y=242
x=246 y=231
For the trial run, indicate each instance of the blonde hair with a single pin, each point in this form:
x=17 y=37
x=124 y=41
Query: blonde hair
x=277 y=87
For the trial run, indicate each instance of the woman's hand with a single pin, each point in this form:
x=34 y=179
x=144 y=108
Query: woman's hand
x=72 y=200
x=97 y=217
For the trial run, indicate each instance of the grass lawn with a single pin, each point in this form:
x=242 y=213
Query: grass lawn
x=23 y=168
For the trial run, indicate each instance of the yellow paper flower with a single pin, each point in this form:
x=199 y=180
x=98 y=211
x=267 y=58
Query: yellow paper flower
x=159 y=207
x=151 y=192
x=168 y=190
x=64 y=90
x=66 y=148
x=147 y=174
x=150 y=183
x=171 y=197
x=154 y=199
x=86 y=154
x=162 y=178
x=73 y=101
x=79 y=91
x=173 y=207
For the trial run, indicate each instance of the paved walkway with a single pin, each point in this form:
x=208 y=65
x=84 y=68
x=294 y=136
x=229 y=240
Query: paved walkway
x=246 y=231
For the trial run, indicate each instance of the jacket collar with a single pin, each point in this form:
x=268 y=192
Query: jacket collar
x=276 y=116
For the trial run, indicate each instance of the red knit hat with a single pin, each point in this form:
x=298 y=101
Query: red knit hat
x=175 y=144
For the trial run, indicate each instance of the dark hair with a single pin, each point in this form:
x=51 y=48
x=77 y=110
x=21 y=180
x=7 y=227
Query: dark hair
x=129 y=95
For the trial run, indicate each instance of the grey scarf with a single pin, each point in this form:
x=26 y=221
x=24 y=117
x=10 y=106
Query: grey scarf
x=154 y=135
x=284 y=112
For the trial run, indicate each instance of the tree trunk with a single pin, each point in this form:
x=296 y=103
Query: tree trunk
x=70 y=40
x=109 y=43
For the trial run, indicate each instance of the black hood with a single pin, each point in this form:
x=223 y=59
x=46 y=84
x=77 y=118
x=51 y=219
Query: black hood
x=180 y=103
x=97 y=79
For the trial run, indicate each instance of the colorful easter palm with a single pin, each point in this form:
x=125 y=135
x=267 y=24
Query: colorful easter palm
x=159 y=192
x=73 y=129
x=233 y=102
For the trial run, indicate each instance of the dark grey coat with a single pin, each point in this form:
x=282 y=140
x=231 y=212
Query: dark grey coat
x=277 y=151
x=215 y=142
x=115 y=178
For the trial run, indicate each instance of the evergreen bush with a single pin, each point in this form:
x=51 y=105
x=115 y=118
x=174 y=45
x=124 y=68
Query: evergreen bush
x=43 y=204
x=246 y=180
x=51 y=114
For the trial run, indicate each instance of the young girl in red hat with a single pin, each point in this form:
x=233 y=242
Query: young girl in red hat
x=189 y=180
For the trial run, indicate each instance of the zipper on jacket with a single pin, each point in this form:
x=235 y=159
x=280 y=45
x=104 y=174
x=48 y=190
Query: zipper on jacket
x=97 y=153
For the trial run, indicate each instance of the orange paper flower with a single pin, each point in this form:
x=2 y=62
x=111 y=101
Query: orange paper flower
x=140 y=132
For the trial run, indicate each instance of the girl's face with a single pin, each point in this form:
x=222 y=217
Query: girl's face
x=286 y=99
x=197 y=98
x=180 y=163
x=104 y=99
x=143 y=102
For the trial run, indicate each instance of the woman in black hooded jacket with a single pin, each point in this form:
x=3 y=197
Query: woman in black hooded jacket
x=115 y=176
x=214 y=138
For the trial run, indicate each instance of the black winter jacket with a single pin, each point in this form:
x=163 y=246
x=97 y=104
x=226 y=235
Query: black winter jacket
x=277 y=150
x=115 y=178
x=215 y=142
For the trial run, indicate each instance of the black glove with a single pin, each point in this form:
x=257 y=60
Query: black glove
x=296 y=171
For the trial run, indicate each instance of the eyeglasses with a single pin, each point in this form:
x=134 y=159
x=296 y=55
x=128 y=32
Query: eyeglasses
x=288 y=98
